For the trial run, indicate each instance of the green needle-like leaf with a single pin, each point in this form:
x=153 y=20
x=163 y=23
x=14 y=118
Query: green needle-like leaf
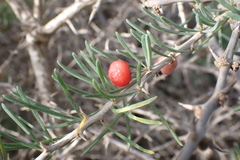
x=71 y=88
x=143 y=120
x=66 y=92
x=128 y=127
x=82 y=66
x=155 y=41
x=130 y=142
x=89 y=62
x=199 y=22
x=2 y=149
x=35 y=129
x=113 y=122
x=228 y=6
x=139 y=29
x=90 y=52
x=95 y=95
x=127 y=48
x=74 y=74
x=237 y=150
x=134 y=106
x=74 y=89
x=128 y=55
x=153 y=16
x=20 y=142
x=35 y=114
x=207 y=39
x=18 y=122
x=63 y=124
x=206 y=13
x=139 y=74
x=202 y=19
x=215 y=27
x=124 y=53
x=164 y=29
x=158 y=52
x=39 y=107
x=167 y=125
x=108 y=95
x=41 y=123
x=174 y=25
x=163 y=120
x=147 y=50
x=233 y=16
x=109 y=56
x=14 y=146
x=236 y=109
x=102 y=75
x=138 y=37
x=136 y=34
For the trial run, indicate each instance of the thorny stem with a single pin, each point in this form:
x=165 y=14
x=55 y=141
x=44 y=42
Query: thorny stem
x=207 y=108
x=47 y=150
x=155 y=69
x=80 y=127
x=94 y=119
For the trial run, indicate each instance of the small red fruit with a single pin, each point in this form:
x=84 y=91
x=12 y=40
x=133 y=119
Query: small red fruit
x=168 y=69
x=119 y=73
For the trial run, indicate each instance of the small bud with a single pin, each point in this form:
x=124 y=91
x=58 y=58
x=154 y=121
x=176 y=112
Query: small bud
x=222 y=97
x=221 y=62
x=235 y=66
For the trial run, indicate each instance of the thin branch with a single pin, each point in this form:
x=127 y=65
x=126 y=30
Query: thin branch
x=65 y=15
x=151 y=3
x=156 y=67
x=47 y=150
x=208 y=107
x=37 y=9
x=95 y=8
x=21 y=10
x=181 y=13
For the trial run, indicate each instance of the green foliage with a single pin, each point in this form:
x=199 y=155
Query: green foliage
x=6 y=13
x=2 y=149
x=95 y=76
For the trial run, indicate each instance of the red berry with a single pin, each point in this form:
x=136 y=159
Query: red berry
x=119 y=73
x=168 y=69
